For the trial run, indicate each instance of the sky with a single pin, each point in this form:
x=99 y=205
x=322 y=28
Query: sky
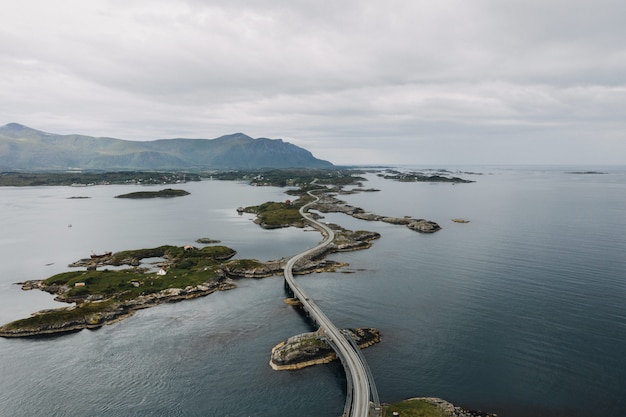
x=353 y=81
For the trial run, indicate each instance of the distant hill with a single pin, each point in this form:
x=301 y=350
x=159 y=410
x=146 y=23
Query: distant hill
x=23 y=148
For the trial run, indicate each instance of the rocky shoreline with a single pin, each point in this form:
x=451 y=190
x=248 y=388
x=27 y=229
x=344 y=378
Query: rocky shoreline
x=308 y=349
x=328 y=203
x=113 y=313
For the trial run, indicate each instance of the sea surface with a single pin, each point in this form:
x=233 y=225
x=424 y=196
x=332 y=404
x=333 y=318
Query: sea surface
x=521 y=311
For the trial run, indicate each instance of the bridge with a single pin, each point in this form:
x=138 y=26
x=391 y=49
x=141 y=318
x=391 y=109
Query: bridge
x=360 y=383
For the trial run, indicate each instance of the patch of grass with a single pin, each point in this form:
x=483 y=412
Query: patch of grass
x=188 y=268
x=274 y=214
x=413 y=408
x=84 y=312
x=238 y=264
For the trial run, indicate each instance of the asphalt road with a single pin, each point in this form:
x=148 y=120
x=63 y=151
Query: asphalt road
x=360 y=404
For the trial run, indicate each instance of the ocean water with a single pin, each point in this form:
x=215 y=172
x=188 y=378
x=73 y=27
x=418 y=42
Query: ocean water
x=522 y=311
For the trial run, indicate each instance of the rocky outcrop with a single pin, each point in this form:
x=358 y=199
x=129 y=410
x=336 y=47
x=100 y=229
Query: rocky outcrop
x=330 y=204
x=423 y=226
x=237 y=269
x=309 y=349
x=207 y=241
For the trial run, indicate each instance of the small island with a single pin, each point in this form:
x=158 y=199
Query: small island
x=104 y=296
x=166 y=193
x=309 y=349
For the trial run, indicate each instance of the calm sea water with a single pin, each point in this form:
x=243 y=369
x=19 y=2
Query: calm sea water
x=521 y=311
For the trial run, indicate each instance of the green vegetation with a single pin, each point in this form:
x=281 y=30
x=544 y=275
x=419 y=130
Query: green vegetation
x=90 y=313
x=274 y=215
x=25 y=179
x=102 y=295
x=168 y=192
x=414 y=408
x=172 y=253
x=240 y=264
x=187 y=268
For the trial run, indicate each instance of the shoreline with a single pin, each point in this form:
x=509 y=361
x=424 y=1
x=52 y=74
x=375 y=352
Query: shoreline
x=308 y=349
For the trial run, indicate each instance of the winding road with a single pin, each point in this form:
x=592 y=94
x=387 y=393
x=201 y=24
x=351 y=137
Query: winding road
x=360 y=381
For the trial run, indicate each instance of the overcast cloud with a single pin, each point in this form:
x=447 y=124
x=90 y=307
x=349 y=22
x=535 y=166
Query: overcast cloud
x=400 y=81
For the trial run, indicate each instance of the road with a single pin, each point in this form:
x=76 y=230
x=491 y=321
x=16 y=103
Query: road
x=358 y=402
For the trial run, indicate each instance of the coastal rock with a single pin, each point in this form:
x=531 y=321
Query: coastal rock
x=367 y=216
x=397 y=220
x=252 y=269
x=330 y=204
x=423 y=226
x=309 y=349
x=207 y=241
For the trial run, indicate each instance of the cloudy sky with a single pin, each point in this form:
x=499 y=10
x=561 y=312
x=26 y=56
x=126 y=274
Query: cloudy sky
x=353 y=81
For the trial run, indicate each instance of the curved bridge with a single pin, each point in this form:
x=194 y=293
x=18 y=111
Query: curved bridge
x=360 y=381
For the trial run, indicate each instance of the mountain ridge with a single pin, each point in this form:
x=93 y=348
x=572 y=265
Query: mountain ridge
x=25 y=148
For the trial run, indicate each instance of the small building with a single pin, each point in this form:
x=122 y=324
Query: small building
x=79 y=284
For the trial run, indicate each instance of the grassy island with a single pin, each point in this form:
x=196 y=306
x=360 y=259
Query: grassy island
x=103 y=296
x=166 y=193
x=273 y=215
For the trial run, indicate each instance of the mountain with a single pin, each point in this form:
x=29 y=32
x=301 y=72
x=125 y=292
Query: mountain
x=24 y=148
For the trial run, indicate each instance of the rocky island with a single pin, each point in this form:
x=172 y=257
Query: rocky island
x=104 y=296
x=309 y=349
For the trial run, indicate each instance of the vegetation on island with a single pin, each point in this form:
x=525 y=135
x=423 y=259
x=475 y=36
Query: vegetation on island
x=166 y=193
x=430 y=407
x=414 y=176
x=273 y=215
x=86 y=178
x=103 y=295
x=414 y=408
